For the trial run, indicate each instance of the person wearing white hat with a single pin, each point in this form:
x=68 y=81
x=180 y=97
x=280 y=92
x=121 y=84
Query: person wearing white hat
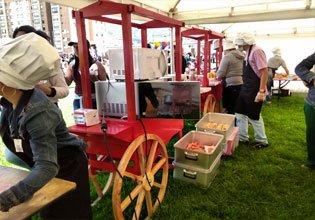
x=55 y=87
x=273 y=64
x=231 y=72
x=32 y=127
x=253 y=92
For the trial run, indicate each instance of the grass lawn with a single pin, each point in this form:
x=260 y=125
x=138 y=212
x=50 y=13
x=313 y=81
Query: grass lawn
x=251 y=184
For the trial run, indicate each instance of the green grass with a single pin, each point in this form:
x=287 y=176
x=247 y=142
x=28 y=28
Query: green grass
x=251 y=184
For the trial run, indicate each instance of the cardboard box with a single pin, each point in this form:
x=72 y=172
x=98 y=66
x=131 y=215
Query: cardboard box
x=86 y=117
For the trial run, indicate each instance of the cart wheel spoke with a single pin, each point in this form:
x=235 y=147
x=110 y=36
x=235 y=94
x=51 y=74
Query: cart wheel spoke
x=141 y=157
x=134 y=177
x=158 y=185
x=144 y=177
x=98 y=188
x=135 y=192
x=139 y=205
x=148 y=200
x=152 y=155
x=159 y=165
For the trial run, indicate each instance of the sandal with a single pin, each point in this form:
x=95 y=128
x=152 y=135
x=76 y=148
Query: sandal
x=260 y=145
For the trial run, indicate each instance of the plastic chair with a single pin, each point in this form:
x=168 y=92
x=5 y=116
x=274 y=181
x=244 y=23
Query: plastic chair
x=209 y=104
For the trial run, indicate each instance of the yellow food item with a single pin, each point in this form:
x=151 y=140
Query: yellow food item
x=213 y=125
x=211 y=75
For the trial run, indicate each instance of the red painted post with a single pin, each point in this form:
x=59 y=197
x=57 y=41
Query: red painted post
x=178 y=54
x=144 y=40
x=198 y=56
x=205 y=60
x=84 y=61
x=128 y=58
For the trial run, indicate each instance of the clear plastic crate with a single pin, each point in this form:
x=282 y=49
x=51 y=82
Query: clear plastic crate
x=198 y=158
x=218 y=118
x=195 y=175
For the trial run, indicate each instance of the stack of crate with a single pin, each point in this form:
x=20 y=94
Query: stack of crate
x=223 y=124
x=195 y=166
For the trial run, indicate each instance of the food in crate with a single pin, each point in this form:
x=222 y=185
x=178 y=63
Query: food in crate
x=218 y=126
x=201 y=147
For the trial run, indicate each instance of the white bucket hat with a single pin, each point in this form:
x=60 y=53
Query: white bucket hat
x=244 y=38
x=276 y=51
x=26 y=60
x=228 y=45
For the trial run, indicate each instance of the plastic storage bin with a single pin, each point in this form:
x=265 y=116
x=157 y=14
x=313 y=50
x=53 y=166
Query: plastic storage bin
x=227 y=119
x=197 y=158
x=231 y=143
x=195 y=175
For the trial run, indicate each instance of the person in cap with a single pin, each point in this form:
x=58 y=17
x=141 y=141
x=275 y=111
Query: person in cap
x=73 y=73
x=231 y=72
x=218 y=49
x=305 y=70
x=32 y=127
x=55 y=87
x=253 y=92
x=273 y=64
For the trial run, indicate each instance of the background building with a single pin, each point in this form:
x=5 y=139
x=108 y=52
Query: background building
x=51 y=18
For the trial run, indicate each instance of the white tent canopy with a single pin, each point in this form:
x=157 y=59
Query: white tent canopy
x=228 y=15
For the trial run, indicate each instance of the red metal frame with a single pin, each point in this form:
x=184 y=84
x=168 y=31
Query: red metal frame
x=204 y=35
x=96 y=11
x=120 y=133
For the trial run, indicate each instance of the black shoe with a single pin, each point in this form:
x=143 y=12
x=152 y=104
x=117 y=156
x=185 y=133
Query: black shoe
x=260 y=145
x=245 y=143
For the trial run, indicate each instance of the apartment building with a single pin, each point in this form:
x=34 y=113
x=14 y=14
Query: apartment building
x=51 y=18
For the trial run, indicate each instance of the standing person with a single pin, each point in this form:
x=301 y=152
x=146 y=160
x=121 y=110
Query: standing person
x=73 y=73
x=273 y=64
x=252 y=94
x=33 y=129
x=303 y=70
x=231 y=69
x=55 y=87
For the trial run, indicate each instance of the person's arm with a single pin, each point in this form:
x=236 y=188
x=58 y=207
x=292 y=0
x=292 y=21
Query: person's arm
x=69 y=75
x=260 y=97
x=43 y=142
x=262 y=65
x=97 y=72
x=222 y=71
x=284 y=66
x=102 y=75
x=303 y=70
x=56 y=87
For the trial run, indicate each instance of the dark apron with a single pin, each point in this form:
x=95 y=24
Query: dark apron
x=246 y=104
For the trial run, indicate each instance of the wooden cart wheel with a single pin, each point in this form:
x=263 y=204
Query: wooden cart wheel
x=209 y=104
x=98 y=188
x=150 y=184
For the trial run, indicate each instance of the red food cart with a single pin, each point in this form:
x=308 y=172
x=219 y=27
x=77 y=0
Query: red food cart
x=198 y=34
x=132 y=150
